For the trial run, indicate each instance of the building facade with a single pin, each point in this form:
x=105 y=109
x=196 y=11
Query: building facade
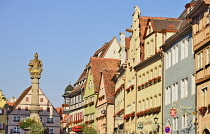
x=105 y=102
x=48 y=114
x=179 y=81
x=3 y=114
x=201 y=46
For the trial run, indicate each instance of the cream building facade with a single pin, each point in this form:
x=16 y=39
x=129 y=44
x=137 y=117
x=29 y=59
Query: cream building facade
x=3 y=114
x=48 y=114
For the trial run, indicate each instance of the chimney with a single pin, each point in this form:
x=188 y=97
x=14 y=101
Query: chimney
x=122 y=48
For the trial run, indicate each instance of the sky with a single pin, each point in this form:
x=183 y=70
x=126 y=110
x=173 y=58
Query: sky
x=65 y=34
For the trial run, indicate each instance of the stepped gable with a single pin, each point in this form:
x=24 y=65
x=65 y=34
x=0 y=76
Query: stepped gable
x=109 y=85
x=102 y=51
x=24 y=93
x=97 y=64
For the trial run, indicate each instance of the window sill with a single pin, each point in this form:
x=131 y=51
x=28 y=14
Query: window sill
x=207 y=65
x=199 y=70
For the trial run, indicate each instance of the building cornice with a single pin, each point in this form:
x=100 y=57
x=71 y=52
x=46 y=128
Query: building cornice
x=175 y=37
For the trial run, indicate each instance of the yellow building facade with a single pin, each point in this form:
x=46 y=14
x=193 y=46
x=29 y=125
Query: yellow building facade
x=149 y=75
x=3 y=115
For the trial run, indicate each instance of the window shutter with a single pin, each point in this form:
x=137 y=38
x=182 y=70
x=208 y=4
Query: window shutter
x=2 y=111
x=3 y=126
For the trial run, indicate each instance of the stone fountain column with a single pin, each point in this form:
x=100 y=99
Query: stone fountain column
x=35 y=74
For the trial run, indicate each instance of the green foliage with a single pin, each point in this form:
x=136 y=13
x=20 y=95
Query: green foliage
x=36 y=128
x=89 y=130
x=26 y=122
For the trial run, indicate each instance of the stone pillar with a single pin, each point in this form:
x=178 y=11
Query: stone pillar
x=34 y=107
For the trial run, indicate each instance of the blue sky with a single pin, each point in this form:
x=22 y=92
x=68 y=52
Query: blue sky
x=65 y=33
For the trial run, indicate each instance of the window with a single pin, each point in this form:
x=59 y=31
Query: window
x=27 y=98
x=128 y=109
x=184 y=87
x=175 y=92
x=175 y=54
x=167 y=95
x=208 y=16
x=175 y=123
x=200 y=61
x=26 y=108
x=184 y=48
x=147 y=103
x=184 y=121
x=155 y=101
x=50 y=120
x=198 y=24
x=48 y=109
x=151 y=103
x=41 y=99
x=90 y=84
x=192 y=84
x=207 y=55
x=16 y=129
x=143 y=105
x=1 y=126
x=204 y=96
x=19 y=108
x=40 y=119
x=51 y=131
x=16 y=119
x=92 y=99
x=41 y=109
x=1 y=111
x=168 y=60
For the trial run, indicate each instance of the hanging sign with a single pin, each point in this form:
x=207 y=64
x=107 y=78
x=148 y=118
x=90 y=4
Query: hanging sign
x=173 y=112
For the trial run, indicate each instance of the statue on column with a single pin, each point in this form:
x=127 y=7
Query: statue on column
x=35 y=66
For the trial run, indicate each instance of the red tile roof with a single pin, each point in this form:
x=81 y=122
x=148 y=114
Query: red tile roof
x=97 y=64
x=21 y=97
x=102 y=51
x=109 y=85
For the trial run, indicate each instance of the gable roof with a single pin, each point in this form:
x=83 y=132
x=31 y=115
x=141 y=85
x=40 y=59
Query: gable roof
x=97 y=64
x=109 y=85
x=24 y=93
x=102 y=51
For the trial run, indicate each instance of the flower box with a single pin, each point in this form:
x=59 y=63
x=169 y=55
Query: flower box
x=91 y=121
x=202 y=110
x=91 y=103
x=87 y=122
x=85 y=105
x=127 y=89
x=132 y=114
x=65 y=105
x=127 y=116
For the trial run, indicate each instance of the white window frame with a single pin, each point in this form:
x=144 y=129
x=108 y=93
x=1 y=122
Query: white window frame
x=174 y=93
x=184 y=87
x=1 y=126
x=51 y=130
x=175 y=123
x=184 y=121
x=50 y=120
x=192 y=84
x=167 y=95
x=16 y=119
x=207 y=55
